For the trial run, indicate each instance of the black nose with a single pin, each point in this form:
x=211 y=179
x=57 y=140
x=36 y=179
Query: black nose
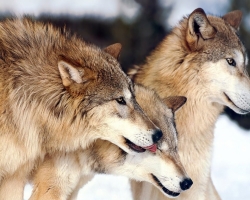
x=157 y=135
x=186 y=184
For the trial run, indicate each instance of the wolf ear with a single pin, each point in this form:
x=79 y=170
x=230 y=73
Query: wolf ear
x=199 y=29
x=114 y=50
x=69 y=73
x=233 y=18
x=175 y=102
x=75 y=78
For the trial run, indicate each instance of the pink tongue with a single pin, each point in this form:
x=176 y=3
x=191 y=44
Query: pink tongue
x=151 y=148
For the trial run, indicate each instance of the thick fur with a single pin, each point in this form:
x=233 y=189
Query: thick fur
x=60 y=94
x=61 y=175
x=195 y=60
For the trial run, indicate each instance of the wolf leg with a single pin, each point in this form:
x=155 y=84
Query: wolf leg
x=56 y=178
x=84 y=180
x=12 y=187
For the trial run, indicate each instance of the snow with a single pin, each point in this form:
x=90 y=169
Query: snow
x=182 y=8
x=230 y=169
x=231 y=162
x=128 y=9
x=104 y=9
x=106 y=187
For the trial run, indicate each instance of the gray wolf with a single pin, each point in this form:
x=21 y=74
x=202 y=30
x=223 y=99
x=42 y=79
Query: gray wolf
x=203 y=59
x=59 y=93
x=61 y=175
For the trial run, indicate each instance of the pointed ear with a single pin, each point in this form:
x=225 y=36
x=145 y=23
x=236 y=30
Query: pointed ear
x=233 y=18
x=70 y=73
x=114 y=50
x=175 y=102
x=199 y=29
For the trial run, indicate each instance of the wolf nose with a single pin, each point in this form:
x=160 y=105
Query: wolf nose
x=157 y=135
x=186 y=184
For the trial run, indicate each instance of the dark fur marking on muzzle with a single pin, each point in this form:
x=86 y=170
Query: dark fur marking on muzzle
x=171 y=193
x=134 y=147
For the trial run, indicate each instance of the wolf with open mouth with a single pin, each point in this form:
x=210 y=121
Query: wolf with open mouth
x=61 y=175
x=59 y=93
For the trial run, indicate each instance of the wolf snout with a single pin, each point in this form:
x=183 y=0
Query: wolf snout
x=157 y=135
x=186 y=184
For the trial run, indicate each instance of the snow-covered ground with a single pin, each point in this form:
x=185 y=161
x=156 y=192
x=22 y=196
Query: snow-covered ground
x=230 y=169
x=231 y=162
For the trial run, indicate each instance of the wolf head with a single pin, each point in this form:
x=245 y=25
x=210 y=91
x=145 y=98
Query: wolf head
x=203 y=57
x=223 y=57
x=106 y=97
x=162 y=113
x=162 y=168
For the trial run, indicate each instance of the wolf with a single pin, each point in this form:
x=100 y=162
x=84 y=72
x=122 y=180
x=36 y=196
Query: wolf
x=59 y=93
x=61 y=175
x=203 y=59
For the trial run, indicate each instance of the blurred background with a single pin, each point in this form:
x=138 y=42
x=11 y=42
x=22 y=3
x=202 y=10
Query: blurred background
x=139 y=25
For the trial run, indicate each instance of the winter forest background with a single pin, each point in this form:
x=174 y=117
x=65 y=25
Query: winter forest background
x=139 y=25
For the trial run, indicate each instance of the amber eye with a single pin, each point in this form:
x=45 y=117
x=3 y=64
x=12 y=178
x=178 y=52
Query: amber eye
x=121 y=101
x=231 y=61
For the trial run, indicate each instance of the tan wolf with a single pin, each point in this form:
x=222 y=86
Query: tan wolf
x=61 y=175
x=203 y=59
x=60 y=94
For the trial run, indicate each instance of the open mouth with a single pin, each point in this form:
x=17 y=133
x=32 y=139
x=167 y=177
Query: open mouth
x=165 y=190
x=243 y=111
x=139 y=149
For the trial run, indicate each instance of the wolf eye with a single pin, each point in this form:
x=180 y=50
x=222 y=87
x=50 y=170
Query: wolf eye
x=121 y=100
x=231 y=61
